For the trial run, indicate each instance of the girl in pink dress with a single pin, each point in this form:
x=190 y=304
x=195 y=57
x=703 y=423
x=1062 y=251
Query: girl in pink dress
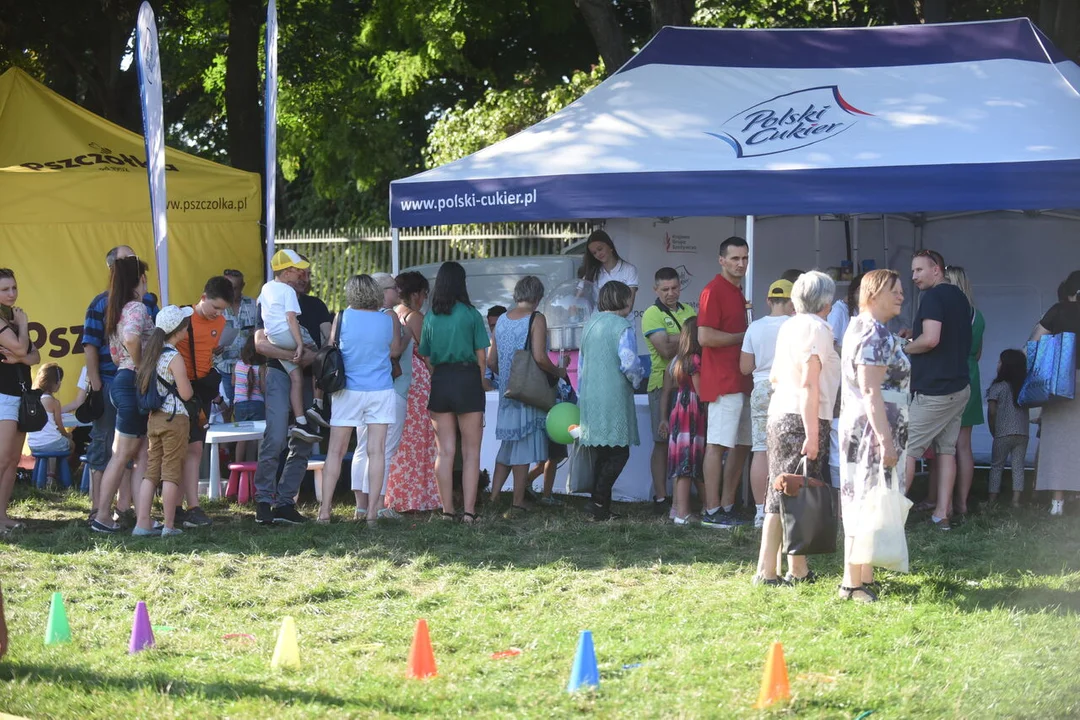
x=411 y=486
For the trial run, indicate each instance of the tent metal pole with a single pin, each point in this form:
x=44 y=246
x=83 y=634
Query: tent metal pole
x=817 y=241
x=748 y=281
x=395 y=251
x=854 y=245
x=885 y=239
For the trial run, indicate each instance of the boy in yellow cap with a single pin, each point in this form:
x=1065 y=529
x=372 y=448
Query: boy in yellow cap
x=279 y=307
x=758 y=349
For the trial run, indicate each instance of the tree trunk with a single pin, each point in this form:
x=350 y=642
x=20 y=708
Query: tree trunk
x=606 y=32
x=242 y=108
x=671 y=12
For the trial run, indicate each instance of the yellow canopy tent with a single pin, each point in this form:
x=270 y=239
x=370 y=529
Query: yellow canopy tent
x=73 y=185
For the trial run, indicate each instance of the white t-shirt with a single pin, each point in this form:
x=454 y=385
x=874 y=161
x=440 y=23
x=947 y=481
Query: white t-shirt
x=800 y=338
x=760 y=341
x=623 y=271
x=276 y=299
x=83 y=383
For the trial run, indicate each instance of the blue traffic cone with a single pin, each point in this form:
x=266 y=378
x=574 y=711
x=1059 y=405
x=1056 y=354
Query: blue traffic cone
x=584 y=671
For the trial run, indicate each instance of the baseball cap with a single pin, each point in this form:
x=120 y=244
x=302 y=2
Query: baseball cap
x=780 y=289
x=284 y=259
x=170 y=317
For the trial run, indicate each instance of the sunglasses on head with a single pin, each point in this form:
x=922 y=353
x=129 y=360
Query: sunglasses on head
x=934 y=257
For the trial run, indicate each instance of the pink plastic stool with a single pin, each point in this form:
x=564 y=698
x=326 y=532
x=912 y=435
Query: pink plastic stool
x=241 y=487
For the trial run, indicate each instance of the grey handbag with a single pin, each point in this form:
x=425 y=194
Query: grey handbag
x=528 y=383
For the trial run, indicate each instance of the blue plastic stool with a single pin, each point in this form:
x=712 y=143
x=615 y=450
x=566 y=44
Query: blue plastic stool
x=84 y=486
x=41 y=468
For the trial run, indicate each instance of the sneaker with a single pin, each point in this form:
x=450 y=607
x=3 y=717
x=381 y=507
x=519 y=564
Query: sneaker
x=939 y=524
x=681 y=520
x=101 y=527
x=169 y=532
x=720 y=519
x=179 y=517
x=304 y=434
x=139 y=532
x=196 y=518
x=387 y=514
x=1057 y=508
x=597 y=512
x=759 y=521
x=661 y=505
x=126 y=518
x=315 y=416
x=288 y=515
x=263 y=514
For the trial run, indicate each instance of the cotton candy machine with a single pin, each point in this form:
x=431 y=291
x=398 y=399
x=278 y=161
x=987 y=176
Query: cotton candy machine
x=566 y=308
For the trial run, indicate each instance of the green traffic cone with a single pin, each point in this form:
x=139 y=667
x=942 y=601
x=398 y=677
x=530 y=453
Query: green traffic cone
x=57 y=631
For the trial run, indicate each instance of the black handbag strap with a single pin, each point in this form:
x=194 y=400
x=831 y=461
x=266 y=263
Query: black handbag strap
x=662 y=306
x=191 y=342
x=528 y=333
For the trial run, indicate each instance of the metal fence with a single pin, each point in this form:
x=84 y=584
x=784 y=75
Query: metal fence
x=339 y=254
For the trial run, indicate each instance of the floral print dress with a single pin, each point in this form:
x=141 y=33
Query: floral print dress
x=411 y=485
x=868 y=342
x=686 y=426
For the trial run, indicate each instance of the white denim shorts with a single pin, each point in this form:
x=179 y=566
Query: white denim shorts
x=356 y=408
x=729 y=421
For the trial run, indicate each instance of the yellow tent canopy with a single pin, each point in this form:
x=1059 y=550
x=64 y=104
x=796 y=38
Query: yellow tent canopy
x=73 y=185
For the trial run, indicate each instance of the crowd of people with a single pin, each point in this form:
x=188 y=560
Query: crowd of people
x=818 y=386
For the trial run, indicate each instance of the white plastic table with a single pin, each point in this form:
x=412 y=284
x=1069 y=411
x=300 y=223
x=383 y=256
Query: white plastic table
x=228 y=433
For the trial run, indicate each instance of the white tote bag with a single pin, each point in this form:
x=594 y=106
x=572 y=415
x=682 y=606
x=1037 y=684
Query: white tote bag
x=879 y=539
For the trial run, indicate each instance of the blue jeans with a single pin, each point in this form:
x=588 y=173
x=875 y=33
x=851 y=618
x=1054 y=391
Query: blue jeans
x=270 y=486
x=129 y=421
x=99 y=451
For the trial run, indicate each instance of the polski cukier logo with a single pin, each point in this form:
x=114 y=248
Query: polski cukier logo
x=790 y=121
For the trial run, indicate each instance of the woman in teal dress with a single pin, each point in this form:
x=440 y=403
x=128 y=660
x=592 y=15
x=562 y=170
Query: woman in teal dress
x=973 y=413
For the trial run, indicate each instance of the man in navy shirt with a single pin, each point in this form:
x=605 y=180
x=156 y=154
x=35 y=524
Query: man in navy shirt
x=940 y=384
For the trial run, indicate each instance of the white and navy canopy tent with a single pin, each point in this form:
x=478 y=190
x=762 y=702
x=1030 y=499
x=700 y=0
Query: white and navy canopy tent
x=913 y=123
x=918 y=118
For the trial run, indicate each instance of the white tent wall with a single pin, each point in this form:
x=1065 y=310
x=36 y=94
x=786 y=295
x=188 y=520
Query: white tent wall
x=1014 y=261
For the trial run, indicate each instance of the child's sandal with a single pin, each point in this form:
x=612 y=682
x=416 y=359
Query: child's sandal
x=469 y=518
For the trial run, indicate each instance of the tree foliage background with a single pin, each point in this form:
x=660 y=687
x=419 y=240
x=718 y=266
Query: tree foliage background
x=373 y=90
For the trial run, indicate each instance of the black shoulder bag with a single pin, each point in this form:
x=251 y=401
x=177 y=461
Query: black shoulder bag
x=32 y=415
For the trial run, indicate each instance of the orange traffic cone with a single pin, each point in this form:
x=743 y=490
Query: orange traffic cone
x=774 y=683
x=421 y=656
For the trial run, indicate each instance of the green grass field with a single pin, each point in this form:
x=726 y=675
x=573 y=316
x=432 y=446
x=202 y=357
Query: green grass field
x=985 y=626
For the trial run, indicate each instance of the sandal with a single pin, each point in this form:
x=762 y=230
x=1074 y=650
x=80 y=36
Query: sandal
x=446 y=516
x=322 y=521
x=469 y=518
x=859 y=593
x=809 y=578
x=924 y=506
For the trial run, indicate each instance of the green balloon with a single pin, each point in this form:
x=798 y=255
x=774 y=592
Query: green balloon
x=559 y=420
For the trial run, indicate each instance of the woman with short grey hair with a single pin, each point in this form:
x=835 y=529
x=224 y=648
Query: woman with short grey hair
x=362 y=292
x=367 y=339
x=805 y=377
x=522 y=428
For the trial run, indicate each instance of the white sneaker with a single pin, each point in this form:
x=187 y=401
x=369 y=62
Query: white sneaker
x=759 y=521
x=1057 y=507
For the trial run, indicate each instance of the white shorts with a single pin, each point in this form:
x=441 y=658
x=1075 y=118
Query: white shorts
x=729 y=421
x=9 y=407
x=357 y=408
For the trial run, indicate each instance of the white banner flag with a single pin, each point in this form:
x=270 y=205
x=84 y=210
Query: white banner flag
x=146 y=56
x=270 y=105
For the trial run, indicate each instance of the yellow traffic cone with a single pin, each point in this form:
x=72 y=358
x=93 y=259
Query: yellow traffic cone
x=286 y=652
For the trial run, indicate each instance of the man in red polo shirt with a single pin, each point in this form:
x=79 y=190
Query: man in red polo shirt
x=721 y=326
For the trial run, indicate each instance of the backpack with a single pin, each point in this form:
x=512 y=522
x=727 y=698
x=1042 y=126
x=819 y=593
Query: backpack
x=151 y=399
x=329 y=364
